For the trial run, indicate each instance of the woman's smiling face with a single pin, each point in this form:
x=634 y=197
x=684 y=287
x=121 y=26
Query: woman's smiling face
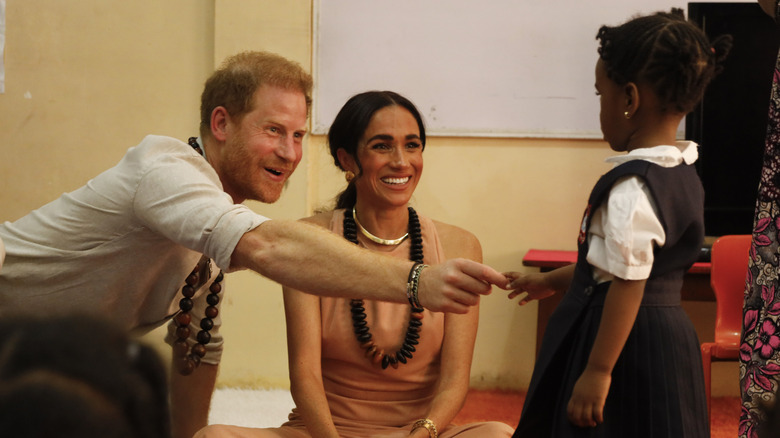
x=390 y=154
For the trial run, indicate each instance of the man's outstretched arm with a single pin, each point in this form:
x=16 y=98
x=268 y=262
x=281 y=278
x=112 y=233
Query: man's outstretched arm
x=308 y=258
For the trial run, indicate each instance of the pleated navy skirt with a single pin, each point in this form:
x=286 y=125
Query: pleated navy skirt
x=657 y=388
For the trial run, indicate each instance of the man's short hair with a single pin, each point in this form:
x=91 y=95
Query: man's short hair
x=234 y=84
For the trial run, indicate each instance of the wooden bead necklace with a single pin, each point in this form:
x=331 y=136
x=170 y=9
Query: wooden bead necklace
x=193 y=142
x=188 y=360
x=362 y=332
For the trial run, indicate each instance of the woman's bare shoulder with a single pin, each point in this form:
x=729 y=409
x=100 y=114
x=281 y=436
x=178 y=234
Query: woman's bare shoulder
x=458 y=242
x=320 y=219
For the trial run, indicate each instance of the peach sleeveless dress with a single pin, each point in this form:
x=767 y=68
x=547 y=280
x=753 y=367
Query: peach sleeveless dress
x=365 y=400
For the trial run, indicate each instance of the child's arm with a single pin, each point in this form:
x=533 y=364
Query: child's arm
x=539 y=285
x=586 y=406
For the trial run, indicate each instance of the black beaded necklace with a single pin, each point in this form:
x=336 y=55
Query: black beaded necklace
x=189 y=360
x=362 y=331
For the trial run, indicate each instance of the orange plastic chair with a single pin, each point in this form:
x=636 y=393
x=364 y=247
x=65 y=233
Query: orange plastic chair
x=728 y=275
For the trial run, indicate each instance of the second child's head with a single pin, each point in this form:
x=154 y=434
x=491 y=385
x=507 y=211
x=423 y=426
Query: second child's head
x=658 y=66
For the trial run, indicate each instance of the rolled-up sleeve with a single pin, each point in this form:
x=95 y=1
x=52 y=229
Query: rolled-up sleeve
x=181 y=197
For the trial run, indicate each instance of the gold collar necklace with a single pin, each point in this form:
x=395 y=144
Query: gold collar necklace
x=379 y=240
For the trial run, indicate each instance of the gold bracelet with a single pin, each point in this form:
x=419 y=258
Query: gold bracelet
x=428 y=424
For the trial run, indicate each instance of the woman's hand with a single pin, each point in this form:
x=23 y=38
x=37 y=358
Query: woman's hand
x=586 y=405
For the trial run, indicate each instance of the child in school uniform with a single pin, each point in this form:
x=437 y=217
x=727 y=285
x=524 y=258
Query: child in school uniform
x=620 y=358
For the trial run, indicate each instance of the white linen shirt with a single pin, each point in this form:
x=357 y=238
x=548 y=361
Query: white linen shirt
x=122 y=245
x=625 y=229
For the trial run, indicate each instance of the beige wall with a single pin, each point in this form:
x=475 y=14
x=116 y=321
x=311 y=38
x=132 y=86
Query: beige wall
x=87 y=79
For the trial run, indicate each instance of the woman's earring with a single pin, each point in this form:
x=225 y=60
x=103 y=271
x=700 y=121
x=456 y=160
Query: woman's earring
x=627 y=114
x=349 y=176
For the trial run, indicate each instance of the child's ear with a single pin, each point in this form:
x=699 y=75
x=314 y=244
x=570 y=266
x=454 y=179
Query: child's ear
x=631 y=95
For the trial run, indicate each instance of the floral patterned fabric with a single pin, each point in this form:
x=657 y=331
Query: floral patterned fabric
x=759 y=370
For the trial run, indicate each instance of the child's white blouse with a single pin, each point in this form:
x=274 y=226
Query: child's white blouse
x=625 y=229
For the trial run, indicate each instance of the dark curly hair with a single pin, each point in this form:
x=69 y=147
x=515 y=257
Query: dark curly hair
x=666 y=52
x=350 y=124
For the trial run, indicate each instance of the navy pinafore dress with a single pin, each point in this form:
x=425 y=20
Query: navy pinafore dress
x=657 y=388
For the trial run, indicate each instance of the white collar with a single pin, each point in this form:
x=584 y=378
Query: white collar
x=664 y=155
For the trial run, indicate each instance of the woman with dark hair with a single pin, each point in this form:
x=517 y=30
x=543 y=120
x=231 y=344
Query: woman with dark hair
x=363 y=368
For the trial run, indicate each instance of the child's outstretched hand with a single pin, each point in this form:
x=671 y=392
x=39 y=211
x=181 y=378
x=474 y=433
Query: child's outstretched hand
x=586 y=405
x=535 y=286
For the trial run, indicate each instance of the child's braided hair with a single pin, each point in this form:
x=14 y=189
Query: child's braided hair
x=666 y=52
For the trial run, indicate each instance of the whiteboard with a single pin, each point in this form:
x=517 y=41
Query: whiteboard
x=493 y=68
